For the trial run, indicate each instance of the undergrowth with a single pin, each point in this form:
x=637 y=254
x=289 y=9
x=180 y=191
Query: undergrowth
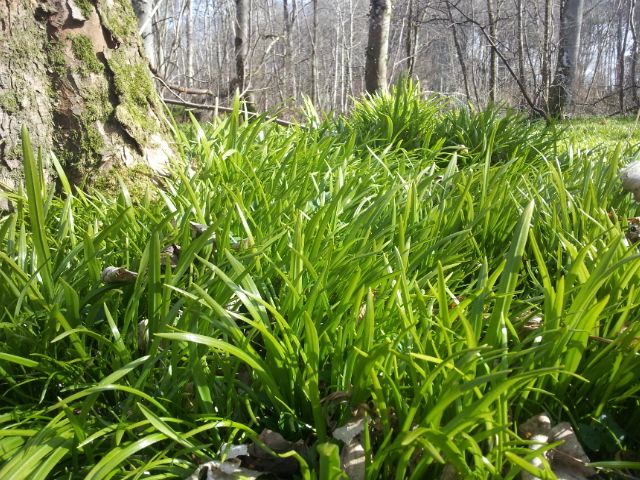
x=441 y=274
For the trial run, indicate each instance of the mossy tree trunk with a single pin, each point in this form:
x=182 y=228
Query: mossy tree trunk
x=74 y=73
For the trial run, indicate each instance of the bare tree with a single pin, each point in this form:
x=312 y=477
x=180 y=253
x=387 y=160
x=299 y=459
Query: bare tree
x=242 y=49
x=493 y=57
x=635 y=51
x=459 y=51
x=561 y=92
x=625 y=21
x=377 y=46
x=505 y=50
x=546 y=54
x=411 y=42
x=144 y=12
x=314 y=54
x=190 y=64
x=521 y=42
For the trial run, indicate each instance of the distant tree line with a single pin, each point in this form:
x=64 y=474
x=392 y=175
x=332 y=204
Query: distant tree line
x=546 y=56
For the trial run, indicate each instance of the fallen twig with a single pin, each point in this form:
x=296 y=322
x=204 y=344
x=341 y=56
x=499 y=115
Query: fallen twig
x=218 y=108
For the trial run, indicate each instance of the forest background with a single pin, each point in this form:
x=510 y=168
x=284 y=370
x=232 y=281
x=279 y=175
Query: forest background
x=476 y=51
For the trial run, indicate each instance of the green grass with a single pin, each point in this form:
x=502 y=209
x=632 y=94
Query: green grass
x=604 y=132
x=363 y=268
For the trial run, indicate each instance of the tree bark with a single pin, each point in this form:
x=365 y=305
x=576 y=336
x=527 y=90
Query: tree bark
x=561 y=91
x=375 y=76
x=190 y=70
x=144 y=12
x=635 y=51
x=624 y=27
x=459 y=52
x=314 y=54
x=76 y=78
x=493 y=57
x=546 y=54
x=242 y=50
x=288 y=19
x=521 y=43
x=411 y=39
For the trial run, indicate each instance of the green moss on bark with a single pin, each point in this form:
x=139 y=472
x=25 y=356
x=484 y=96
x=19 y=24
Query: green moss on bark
x=83 y=51
x=132 y=81
x=24 y=47
x=56 y=59
x=137 y=96
x=85 y=6
x=120 y=19
x=13 y=154
x=9 y=103
x=138 y=180
x=91 y=140
x=81 y=152
x=98 y=105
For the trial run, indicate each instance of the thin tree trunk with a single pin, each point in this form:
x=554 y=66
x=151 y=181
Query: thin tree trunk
x=241 y=42
x=411 y=39
x=493 y=57
x=635 y=51
x=314 y=54
x=521 y=46
x=375 y=75
x=288 y=50
x=626 y=17
x=459 y=52
x=596 y=67
x=546 y=54
x=561 y=91
x=242 y=50
x=349 y=56
x=144 y=12
x=190 y=70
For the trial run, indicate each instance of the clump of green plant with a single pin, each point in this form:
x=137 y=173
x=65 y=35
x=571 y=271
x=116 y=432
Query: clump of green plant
x=288 y=282
x=402 y=118
x=498 y=134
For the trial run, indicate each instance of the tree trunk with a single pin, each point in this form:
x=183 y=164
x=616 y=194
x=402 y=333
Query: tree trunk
x=411 y=39
x=561 y=91
x=288 y=19
x=314 y=54
x=242 y=50
x=624 y=28
x=144 y=12
x=375 y=75
x=635 y=51
x=521 y=43
x=76 y=78
x=190 y=68
x=546 y=42
x=459 y=52
x=493 y=57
